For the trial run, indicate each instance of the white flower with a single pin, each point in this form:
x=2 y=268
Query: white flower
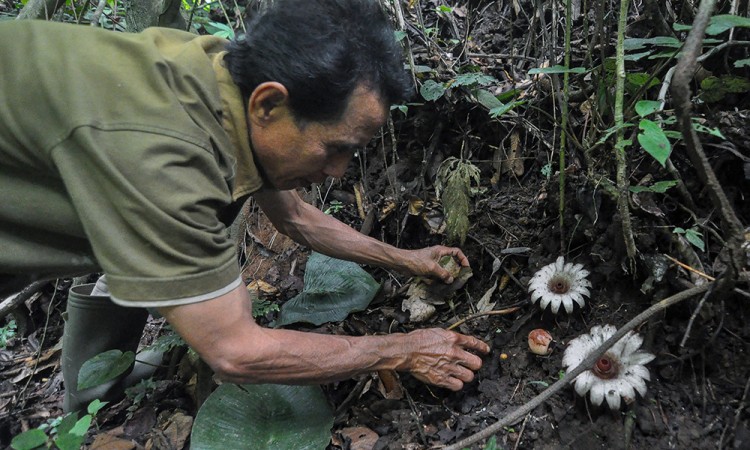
x=559 y=283
x=618 y=373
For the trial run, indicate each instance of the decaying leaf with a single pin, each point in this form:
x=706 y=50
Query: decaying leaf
x=262 y=288
x=453 y=185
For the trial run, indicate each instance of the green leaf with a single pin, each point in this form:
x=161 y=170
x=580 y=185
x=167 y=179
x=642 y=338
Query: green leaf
x=67 y=423
x=468 y=79
x=658 y=187
x=723 y=22
x=557 y=69
x=29 y=440
x=612 y=130
x=499 y=111
x=636 y=80
x=432 y=90
x=659 y=41
x=333 y=289
x=219 y=29
x=694 y=237
x=104 y=367
x=646 y=107
x=742 y=63
x=700 y=128
x=263 y=417
x=654 y=141
x=82 y=426
x=399 y=35
x=422 y=69
x=637 y=56
x=95 y=406
x=486 y=99
x=69 y=441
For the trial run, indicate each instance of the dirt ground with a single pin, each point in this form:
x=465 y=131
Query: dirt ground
x=697 y=395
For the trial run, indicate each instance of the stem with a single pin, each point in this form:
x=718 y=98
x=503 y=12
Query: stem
x=564 y=121
x=623 y=183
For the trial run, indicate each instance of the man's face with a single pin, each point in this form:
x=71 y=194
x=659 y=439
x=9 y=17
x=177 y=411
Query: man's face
x=292 y=156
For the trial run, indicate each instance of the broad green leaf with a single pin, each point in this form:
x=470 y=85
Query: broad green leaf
x=700 y=128
x=263 y=417
x=468 y=79
x=422 y=69
x=69 y=441
x=723 y=22
x=399 y=35
x=637 y=56
x=29 y=440
x=499 y=111
x=639 y=79
x=432 y=90
x=219 y=29
x=557 y=69
x=742 y=63
x=646 y=107
x=486 y=99
x=333 y=289
x=658 y=187
x=694 y=237
x=653 y=140
x=659 y=41
x=95 y=406
x=104 y=367
x=82 y=426
x=67 y=423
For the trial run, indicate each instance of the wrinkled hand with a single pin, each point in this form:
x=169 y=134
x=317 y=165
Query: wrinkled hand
x=424 y=262
x=443 y=358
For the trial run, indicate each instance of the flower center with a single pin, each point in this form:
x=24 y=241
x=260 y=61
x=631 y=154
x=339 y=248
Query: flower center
x=558 y=285
x=606 y=367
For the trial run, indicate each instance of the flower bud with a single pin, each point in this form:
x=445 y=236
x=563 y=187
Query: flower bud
x=539 y=341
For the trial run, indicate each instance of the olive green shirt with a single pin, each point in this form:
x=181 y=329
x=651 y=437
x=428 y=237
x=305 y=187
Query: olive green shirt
x=120 y=153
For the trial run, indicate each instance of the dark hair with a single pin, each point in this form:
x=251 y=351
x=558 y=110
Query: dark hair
x=320 y=50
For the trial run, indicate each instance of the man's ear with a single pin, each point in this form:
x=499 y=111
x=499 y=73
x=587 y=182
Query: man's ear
x=268 y=102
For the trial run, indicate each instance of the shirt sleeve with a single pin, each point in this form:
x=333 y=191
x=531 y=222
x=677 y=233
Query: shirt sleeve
x=148 y=200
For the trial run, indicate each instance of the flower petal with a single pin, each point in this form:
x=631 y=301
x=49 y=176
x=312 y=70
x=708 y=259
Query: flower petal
x=597 y=393
x=632 y=344
x=613 y=398
x=638 y=358
x=584 y=381
x=567 y=301
x=637 y=382
x=559 y=263
x=578 y=298
x=555 y=301
x=545 y=301
x=625 y=389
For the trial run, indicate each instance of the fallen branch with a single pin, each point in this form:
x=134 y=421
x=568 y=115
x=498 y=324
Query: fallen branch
x=12 y=302
x=497 y=312
x=586 y=364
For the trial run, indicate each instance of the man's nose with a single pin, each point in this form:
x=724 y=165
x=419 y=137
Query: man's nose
x=337 y=166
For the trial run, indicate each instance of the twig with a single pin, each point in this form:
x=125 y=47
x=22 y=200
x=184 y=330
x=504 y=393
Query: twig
x=686 y=267
x=586 y=364
x=693 y=316
x=737 y=412
x=496 y=312
x=520 y=433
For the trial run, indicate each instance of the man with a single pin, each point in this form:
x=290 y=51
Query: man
x=127 y=154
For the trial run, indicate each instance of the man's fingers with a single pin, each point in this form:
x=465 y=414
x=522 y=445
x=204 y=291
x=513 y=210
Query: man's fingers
x=472 y=343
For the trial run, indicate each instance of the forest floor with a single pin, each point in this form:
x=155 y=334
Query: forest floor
x=697 y=396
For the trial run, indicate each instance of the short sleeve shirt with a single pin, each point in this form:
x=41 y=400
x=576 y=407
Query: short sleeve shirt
x=119 y=152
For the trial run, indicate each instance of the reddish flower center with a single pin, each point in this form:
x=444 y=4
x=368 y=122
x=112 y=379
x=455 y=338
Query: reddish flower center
x=605 y=367
x=558 y=285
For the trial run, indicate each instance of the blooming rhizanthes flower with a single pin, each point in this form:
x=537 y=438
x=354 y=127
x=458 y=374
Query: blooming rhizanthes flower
x=618 y=373
x=560 y=284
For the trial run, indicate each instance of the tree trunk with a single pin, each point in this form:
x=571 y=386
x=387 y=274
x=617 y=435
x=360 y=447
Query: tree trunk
x=39 y=9
x=141 y=14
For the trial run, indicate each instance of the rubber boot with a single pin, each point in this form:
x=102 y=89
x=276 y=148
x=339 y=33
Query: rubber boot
x=95 y=324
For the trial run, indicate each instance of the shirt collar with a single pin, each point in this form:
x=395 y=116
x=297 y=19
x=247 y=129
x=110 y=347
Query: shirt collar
x=234 y=121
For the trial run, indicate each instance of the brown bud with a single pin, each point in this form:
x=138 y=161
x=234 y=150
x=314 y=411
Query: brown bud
x=539 y=341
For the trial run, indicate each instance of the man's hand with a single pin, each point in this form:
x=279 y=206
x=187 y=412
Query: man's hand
x=424 y=262
x=443 y=358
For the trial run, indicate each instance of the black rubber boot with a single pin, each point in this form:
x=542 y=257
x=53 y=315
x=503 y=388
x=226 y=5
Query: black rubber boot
x=94 y=324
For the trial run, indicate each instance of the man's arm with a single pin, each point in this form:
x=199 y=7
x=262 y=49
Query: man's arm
x=311 y=227
x=224 y=333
